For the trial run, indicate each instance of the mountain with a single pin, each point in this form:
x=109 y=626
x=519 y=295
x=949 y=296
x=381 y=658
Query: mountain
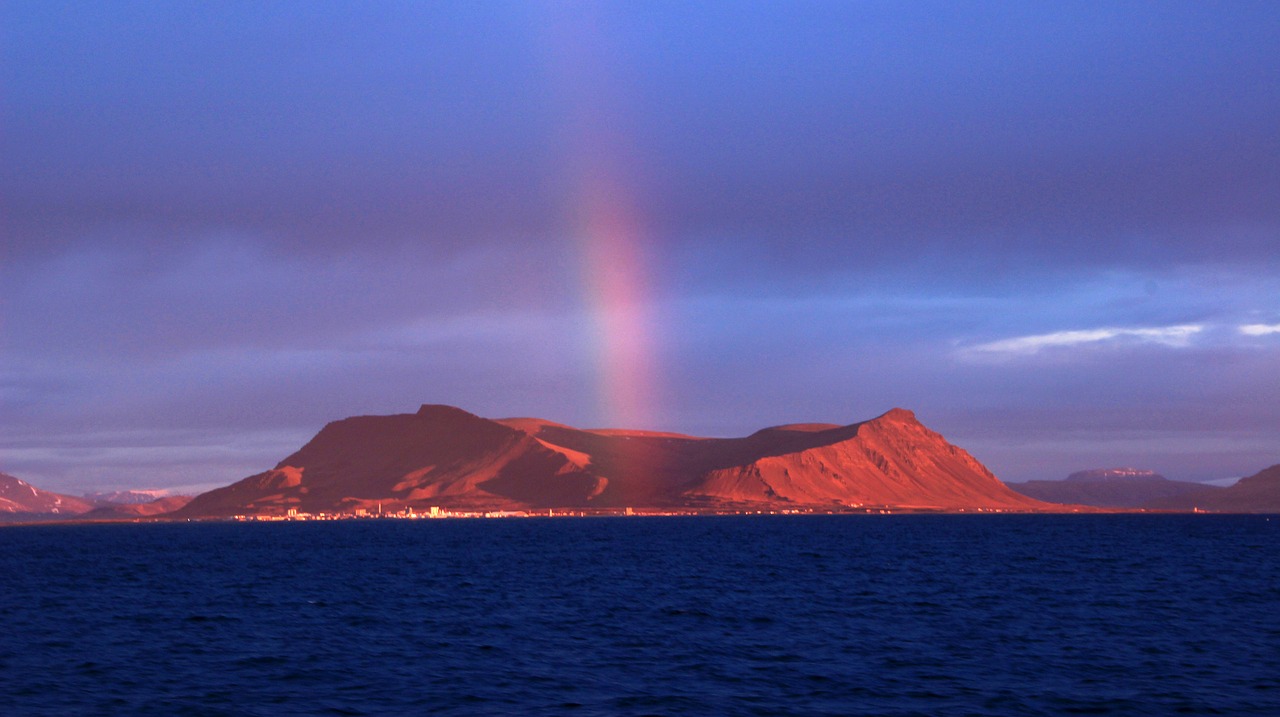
x=1107 y=488
x=444 y=456
x=119 y=511
x=126 y=496
x=1258 y=493
x=1114 y=475
x=20 y=500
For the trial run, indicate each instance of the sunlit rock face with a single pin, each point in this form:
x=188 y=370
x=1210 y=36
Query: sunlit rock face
x=444 y=456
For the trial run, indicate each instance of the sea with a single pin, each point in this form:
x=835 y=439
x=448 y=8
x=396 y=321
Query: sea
x=730 y=615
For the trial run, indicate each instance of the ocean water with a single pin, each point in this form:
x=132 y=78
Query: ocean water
x=769 y=615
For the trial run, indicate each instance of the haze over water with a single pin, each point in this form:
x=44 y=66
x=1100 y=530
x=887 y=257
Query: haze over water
x=839 y=615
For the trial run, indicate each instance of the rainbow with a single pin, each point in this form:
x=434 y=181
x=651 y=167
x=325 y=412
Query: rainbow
x=615 y=276
x=608 y=234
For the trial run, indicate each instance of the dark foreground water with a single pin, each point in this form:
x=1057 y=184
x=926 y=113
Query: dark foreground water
x=839 y=615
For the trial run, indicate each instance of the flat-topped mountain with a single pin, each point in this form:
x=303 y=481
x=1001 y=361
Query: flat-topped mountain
x=444 y=456
x=20 y=500
x=1114 y=475
x=1259 y=493
x=1107 y=488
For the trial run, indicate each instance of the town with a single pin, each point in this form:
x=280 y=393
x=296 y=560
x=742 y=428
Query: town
x=436 y=513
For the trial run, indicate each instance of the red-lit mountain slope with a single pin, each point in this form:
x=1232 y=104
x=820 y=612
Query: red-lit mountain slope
x=446 y=457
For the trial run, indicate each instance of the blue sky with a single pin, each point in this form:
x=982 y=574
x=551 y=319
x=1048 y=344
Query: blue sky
x=1051 y=230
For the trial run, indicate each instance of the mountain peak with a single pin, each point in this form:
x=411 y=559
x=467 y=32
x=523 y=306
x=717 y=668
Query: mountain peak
x=899 y=415
x=440 y=411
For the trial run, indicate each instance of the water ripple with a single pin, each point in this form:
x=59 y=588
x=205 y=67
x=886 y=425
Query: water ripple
x=841 y=615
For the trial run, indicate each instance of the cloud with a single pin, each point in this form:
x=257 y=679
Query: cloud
x=1259 y=329
x=1174 y=336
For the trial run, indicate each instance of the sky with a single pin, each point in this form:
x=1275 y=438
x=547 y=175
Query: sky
x=1052 y=230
